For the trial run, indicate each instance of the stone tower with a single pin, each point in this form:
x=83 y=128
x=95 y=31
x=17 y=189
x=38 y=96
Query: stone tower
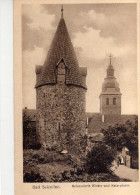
x=60 y=95
x=110 y=97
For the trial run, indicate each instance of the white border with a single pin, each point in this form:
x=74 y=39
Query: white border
x=6 y=99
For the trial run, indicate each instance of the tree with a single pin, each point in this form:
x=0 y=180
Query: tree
x=121 y=135
x=100 y=158
x=29 y=134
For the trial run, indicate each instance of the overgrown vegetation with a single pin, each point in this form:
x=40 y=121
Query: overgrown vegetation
x=123 y=135
x=50 y=166
x=81 y=176
x=33 y=177
x=99 y=159
x=29 y=133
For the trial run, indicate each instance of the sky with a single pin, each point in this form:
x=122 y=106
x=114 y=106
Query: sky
x=96 y=30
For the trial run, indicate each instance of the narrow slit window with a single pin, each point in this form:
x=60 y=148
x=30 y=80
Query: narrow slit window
x=114 y=101
x=107 y=101
x=61 y=73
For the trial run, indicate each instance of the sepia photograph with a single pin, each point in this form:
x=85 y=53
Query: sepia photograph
x=79 y=93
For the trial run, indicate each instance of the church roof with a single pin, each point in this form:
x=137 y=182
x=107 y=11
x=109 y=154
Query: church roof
x=95 y=123
x=61 y=48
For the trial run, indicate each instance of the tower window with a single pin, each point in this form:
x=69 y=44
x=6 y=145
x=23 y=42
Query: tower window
x=61 y=73
x=110 y=72
x=114 y=101
x=107 y=101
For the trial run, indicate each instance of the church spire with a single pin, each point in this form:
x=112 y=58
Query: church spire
x=110 y=97
x=110 y=69
x=62 y=12
x=110 y=56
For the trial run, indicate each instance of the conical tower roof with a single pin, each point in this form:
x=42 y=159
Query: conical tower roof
x=61 y=48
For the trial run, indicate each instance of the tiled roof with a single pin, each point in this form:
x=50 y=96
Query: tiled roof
x=61 y=48
x=95 y=123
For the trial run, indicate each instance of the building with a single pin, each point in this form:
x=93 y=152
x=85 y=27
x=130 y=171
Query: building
x=110 y=106
x=60 y=95
x=110 y=97
x=130 y=160
x=60 y=115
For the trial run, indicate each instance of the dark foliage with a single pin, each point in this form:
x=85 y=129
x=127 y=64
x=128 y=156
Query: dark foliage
x=83 y=143
x=81 y=176
x=29 y=134
x=35 y=170
x=121 y=135
x=99 y=159
x=33 y=177
x=43 y=157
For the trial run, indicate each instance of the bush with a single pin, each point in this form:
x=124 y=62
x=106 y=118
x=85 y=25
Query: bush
x=76 y=176
x=123 y=135
x=99 y=159
x=43 y=157
x=33 y=177
x=72 y=175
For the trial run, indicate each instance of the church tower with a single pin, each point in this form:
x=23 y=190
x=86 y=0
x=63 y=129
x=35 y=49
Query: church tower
x=60 y=95
x=110 y=97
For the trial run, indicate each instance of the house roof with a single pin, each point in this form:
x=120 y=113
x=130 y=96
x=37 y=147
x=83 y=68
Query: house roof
x=96 y=137
x=61 y=48
x=95 y=123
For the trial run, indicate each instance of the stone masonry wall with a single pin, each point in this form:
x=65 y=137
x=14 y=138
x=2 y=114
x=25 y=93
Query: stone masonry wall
x=61 y=116
x=110 y=109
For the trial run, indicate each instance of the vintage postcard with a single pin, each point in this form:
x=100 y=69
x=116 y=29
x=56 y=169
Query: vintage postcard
x=76 y=70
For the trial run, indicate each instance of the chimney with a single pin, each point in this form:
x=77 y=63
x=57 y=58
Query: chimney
x=87 y=121
x=103 y=118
